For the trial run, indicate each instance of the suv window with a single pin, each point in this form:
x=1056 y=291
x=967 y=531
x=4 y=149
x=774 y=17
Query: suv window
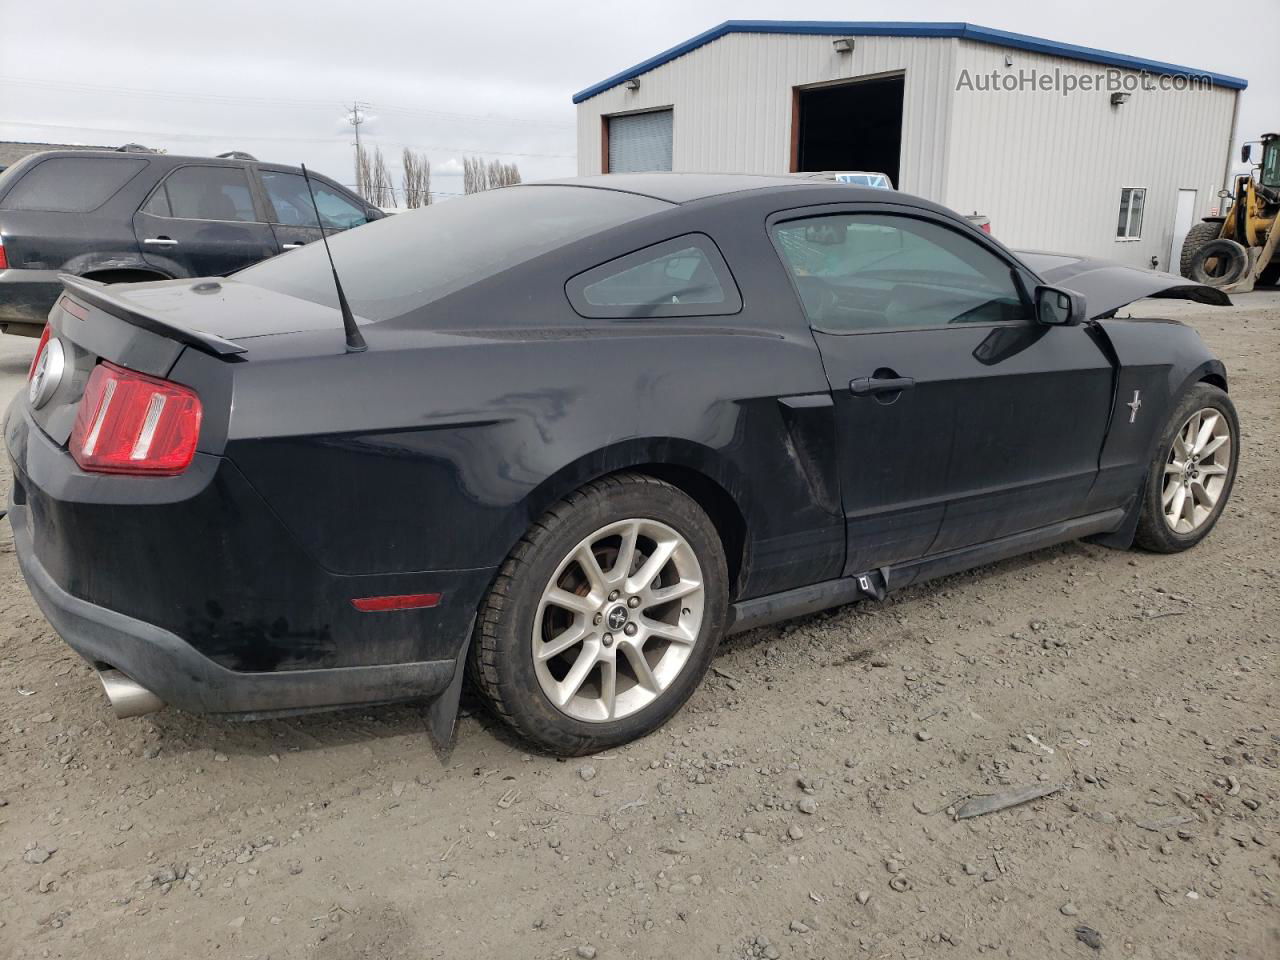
x=72 y=184
x=684 y=277
x=864 y=272
x=292 y=206
x=204 y=193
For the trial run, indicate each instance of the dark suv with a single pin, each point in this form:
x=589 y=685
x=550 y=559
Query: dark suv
x=127 y=217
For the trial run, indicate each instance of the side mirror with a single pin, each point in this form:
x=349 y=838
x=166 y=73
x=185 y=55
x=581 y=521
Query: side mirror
x=1060 y=308
x=1246 y=152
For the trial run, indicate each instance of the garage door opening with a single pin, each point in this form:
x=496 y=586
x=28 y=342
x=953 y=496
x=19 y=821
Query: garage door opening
x=851 y=126
x=638 y=142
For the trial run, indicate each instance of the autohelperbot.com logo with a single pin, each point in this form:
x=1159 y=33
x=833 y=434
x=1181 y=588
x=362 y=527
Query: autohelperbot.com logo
x=1067 y=82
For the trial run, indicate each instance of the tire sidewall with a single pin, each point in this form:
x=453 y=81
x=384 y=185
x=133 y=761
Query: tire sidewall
x=1155 y=531
x=1236 y=255
x=530 y=708
x=1197 y=237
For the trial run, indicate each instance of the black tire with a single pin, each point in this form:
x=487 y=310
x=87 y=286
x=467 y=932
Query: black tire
x=1199 y=234
x=1154 y=532
x=501 y=664
x=1231 y=262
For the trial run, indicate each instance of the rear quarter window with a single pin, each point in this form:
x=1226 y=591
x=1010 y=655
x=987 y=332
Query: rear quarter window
x=397 y=265
x=683 y=277
x=72 y=184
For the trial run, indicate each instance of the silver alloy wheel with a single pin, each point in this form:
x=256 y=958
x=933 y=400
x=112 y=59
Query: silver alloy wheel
x=618 y=620
x=1195 y=472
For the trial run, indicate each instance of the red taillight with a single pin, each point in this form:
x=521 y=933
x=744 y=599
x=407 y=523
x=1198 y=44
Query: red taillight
x=986 y=227
x=4 y=257
x=131 y=423
x=44 y=342
x=409 y=601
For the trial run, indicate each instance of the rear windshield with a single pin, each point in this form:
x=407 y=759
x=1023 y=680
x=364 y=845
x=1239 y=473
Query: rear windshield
x=406 y=261
x=72 y=184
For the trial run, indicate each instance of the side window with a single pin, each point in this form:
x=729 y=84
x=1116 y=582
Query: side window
x=866 y=272
x=684 y=277
x=288 y=195
x=204 y=193
x=72 y=184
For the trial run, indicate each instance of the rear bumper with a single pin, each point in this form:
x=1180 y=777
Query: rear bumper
x=26 y=297
x=183 y=677
x=192 y=588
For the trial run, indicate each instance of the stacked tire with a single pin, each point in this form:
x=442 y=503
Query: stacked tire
x=1210 y=259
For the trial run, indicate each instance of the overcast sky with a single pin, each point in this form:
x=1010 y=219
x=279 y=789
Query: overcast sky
x=494 y=79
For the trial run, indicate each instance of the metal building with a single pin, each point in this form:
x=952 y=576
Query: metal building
x=1063 y=147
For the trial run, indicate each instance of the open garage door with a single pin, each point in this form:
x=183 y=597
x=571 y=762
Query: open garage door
x=849 y=126
x=639 y=142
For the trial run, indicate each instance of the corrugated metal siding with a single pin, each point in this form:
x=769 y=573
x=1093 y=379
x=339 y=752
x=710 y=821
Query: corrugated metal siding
x=1048 y=169
x=733 y=98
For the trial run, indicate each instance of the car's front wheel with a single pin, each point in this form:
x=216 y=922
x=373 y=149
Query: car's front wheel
x=604 y=618
x=1192 y=472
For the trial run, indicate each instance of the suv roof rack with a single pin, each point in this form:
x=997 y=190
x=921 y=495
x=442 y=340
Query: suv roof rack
x=237 y=155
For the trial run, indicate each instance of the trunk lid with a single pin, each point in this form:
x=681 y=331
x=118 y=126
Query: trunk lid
x=1108 y=286
x=147 y=326
x=212 y=314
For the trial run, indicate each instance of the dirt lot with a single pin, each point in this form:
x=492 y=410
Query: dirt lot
x=796 y=808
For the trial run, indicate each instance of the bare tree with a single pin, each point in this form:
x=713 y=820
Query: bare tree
x=381 y=191
x=478 y=175
x=364 y=172
x=502 y=174
x=373 y=178
x=417 y=178
x=473 y=175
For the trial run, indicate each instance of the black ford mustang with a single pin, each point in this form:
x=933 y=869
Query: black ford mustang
x=599 y=424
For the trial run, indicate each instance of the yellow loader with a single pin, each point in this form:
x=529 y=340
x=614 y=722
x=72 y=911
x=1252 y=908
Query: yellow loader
x=1239 y=249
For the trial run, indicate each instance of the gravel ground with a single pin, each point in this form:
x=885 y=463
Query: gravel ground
x=798 y=807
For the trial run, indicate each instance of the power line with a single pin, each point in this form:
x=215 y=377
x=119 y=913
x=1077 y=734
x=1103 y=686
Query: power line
x=128 y=131
x=279 y=101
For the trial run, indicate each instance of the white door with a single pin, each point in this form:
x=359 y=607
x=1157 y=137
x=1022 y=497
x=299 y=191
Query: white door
x=1183 y=217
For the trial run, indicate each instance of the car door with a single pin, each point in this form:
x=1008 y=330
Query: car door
x=960 y=419
x=292 y=214
x=202 y=221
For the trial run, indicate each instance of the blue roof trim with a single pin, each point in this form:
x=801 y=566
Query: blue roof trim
x=967 y=31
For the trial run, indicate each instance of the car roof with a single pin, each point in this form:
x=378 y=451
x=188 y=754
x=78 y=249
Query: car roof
x=134 y=154
x=687 y=187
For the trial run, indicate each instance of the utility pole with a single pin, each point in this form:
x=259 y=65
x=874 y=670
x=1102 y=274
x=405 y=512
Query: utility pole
x=355 y=117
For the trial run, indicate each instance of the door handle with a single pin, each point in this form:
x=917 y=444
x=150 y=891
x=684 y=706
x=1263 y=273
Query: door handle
x=291 y=246
x=161 y=241
x=866 y=386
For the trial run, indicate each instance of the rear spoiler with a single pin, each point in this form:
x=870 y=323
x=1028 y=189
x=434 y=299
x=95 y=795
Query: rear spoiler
x=99 y=295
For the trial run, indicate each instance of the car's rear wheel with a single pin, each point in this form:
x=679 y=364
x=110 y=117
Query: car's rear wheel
x=604 y=618
x=1192 y=472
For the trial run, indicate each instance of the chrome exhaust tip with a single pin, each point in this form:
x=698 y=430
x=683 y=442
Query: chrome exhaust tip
x=128 y=697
